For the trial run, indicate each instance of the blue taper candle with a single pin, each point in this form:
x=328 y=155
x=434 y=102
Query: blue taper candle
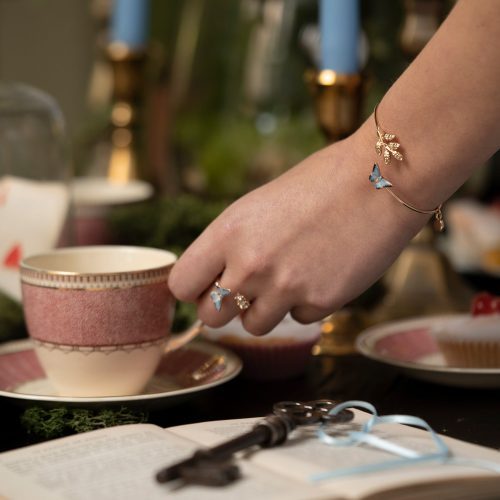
x=130 y=22
x=340 y=31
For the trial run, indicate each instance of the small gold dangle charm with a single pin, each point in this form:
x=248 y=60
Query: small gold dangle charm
x=438 y=220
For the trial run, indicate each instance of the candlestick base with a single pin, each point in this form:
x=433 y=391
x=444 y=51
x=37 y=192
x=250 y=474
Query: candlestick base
x=339 y=332
x=128 y=80
x=421 y=283
x=337 y=102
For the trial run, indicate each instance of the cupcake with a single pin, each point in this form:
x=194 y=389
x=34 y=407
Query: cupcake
x=473 y=340
x=282 y=353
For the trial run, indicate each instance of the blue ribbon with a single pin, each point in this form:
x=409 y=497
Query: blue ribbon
x=442 y=453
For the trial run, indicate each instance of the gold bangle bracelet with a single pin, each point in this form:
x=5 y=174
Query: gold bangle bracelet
x=380 y=182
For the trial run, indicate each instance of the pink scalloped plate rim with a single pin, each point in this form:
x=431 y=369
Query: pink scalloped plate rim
x=22 y=377
x=409 y=346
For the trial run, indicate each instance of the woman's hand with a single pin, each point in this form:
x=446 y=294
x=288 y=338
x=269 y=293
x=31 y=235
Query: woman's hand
x=307 y=242
x=319 y=235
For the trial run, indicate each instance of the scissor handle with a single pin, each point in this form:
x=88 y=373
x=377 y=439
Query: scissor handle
x=312 y=412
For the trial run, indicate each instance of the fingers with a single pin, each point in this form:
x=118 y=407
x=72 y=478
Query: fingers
x=263 y=315
x=216 y=307
x=196 y=270
x=309 y=314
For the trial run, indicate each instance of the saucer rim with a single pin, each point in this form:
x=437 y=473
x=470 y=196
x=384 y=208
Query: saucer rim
x=233 y=368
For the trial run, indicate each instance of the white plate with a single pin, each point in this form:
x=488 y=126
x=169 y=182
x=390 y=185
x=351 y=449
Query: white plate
x=408 y=345
x=198 y=366
x=97 y=191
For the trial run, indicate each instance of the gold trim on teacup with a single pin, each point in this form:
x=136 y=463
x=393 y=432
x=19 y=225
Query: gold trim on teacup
x=75 y=281
x=106 y=349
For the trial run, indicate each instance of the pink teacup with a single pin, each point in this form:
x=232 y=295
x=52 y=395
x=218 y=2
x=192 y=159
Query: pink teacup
x=100 y=316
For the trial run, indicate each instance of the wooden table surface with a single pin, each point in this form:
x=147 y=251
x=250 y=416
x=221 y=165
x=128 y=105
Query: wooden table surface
x=470 y=414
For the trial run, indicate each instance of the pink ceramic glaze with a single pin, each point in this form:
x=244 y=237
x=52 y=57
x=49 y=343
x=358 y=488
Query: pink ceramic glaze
x=70 y=298
x=409 y=345
x=19 y=367
x=98 y=317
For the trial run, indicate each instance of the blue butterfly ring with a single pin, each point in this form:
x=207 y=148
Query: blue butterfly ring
x=218 y=294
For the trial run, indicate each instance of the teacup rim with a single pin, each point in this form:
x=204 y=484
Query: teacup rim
x=25 y=264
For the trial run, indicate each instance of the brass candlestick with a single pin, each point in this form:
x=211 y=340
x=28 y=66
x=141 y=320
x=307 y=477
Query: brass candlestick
x=128 y=73
x=421 y=283
x=337 y=104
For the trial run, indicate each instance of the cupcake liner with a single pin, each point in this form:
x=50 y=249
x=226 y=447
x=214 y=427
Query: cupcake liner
x=470 y=354
x=282 y=353
x=272 y=360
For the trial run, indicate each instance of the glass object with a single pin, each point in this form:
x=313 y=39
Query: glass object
x=32 y=134
x=34 y=175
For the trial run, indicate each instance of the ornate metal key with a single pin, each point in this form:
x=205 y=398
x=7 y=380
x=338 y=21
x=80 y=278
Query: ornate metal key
x=213 y=466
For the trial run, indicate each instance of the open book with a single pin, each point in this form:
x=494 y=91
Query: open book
x=121 y=463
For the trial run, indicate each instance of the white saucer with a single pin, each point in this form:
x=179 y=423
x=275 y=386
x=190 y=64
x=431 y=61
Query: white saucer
x=409 y=346
x=196 y=367
x=97 y=191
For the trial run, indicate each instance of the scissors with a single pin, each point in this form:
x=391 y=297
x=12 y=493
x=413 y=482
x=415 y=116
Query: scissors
x=312 y=412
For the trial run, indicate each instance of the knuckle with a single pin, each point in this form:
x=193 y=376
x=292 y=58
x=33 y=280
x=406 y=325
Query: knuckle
x=256 y=329
x=286 y=283
x=175 y=285
x=299 y=316
x=281 y=284
x=252 y=265
x=211 y=320
x=319 y=300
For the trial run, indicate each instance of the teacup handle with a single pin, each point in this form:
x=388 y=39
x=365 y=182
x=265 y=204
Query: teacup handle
x=177 y=341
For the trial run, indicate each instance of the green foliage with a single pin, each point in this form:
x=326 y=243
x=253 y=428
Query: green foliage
x=12 y=324
x=57 y=422
x=234 y=157
x=185 y=316
x=169 y=223
x=225 y=156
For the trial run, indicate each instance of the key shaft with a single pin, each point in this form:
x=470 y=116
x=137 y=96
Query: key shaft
x=272 y=431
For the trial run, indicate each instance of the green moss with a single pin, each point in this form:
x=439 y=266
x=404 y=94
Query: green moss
x=52 y=423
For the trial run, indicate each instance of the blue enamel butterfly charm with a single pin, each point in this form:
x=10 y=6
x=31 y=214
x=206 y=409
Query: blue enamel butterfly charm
x=218 y=295
x=377 y=180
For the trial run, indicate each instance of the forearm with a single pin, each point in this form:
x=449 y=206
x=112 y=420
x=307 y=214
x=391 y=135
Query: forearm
x=445 y=108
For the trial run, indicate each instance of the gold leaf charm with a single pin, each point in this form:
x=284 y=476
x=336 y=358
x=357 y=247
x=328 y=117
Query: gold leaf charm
x=387 y=149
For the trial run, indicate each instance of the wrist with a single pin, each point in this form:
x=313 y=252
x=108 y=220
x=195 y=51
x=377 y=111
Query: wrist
x=394 y=204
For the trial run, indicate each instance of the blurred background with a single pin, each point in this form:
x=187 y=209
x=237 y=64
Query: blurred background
x=173 y=109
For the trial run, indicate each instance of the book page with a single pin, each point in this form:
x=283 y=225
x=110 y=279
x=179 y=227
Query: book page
x=121 y=463
x=303 y=455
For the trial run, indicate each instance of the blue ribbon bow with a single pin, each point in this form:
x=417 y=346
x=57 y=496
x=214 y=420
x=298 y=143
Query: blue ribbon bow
x=408 y=456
